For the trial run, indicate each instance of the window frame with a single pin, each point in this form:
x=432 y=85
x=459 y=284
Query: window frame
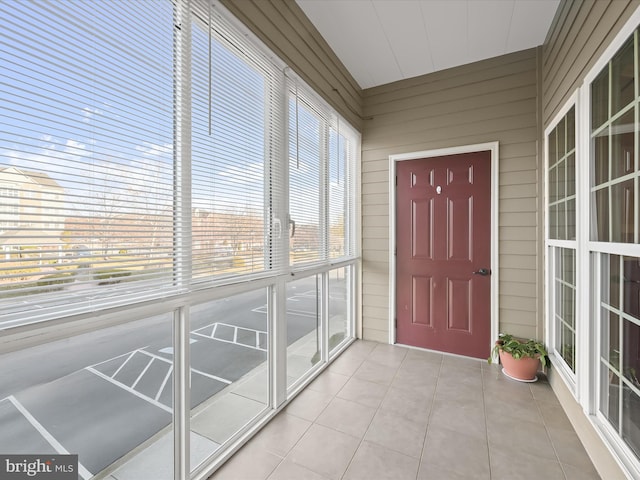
x=553 y=245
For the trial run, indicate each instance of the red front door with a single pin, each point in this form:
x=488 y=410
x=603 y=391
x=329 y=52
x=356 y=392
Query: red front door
x=443 y=239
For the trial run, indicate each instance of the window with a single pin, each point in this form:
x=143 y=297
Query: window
x=561 y=238
x=615 y=173
x=148 y=175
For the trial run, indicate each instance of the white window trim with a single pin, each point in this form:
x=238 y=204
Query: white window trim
x=493 y=147
x=587 y=359
x=569 y=378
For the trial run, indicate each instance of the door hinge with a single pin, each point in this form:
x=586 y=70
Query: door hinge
x=396 y=180
x=395 y=251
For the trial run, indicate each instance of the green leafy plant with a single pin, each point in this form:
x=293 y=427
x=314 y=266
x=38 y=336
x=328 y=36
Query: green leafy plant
x=519 y=348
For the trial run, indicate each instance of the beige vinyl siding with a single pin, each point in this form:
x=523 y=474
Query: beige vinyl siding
x=580 y=33
x=495 y=99
x=285 y=29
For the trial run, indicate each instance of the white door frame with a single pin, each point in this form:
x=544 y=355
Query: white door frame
x=441 y=152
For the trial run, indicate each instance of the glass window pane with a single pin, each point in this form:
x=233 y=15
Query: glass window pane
x=229 y=369
x=306 y=135
x=622 y=145
x=611 y=338
x=553 y=147
x=631 y=419
x=571 y=219
x=610 y=396
x=568 y=347
x=631 y=287
x=611 y=280
x=571 y=129
x=304 y=335
x=600 y=99
x=600 y=230
x=228 y=158
x=631 y=352
x=562 y=178
x=561 y=129
x=339 y=281
x=622 y=212
x=622 y=77
x=553 y=184
x=562 y=221
x=601 y=158
x=571 y=175
x=553 y=221
x=102 y=395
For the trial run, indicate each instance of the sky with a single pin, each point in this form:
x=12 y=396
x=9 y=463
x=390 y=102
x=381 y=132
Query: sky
x=98 y=116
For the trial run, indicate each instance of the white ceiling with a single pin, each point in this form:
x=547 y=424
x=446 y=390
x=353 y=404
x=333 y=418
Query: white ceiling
x=381 y=41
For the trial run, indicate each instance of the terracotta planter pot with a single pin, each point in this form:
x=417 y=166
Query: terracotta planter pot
x=523 y=369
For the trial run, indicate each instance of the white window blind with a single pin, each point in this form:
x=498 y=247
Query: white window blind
x=307 y=153
x=87 y=144
x=144 y=154
x=236 y=122
x=322 y=159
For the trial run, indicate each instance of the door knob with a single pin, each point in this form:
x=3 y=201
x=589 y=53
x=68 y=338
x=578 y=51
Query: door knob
x=483 y=271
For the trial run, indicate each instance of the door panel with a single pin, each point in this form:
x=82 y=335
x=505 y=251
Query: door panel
x=443 y=236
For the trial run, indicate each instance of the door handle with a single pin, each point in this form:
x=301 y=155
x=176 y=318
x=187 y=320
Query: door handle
x=483 y=271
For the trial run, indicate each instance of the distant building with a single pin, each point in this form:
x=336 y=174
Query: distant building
x=30 y=199
x=31 y=210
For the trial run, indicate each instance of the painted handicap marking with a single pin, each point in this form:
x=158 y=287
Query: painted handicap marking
x=144 y=375
x=245 y=337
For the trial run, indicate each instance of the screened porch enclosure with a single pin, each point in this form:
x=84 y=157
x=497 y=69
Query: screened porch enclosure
x=177 y=221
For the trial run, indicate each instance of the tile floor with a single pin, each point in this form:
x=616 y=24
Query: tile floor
x=389 y=412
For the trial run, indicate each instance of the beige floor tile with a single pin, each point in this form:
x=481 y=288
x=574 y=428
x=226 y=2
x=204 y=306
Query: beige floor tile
x=424 y=355
x=346 y=364
x=309 y=404
x=288 y=470
x=250 y=463
x=516 y=464
x=466 y=455
x=363 y=392
x=347 y=417
x=431 y=471
x=325 y=451
x=281 y=434
x=367 y=417
x=509 y=436
x=407 y=402
x=465 y=415
x=569 y=448
x=375 y=372
x=372 y=461
x=462 y=362
x=329 y=382
x=574 y=473
x=554 y=417
x=517 y=409
x=398 y=433
x=390 y=357
x=362 y=347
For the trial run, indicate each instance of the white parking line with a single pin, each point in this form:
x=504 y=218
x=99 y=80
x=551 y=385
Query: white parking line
x=82 y=471
x=131 y=389
x=235 y=328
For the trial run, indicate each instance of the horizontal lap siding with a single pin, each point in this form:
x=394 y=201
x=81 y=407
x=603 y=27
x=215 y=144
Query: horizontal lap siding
x=576 y=40
x=495 y=99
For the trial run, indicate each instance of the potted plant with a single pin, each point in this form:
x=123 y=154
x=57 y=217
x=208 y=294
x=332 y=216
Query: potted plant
x=519 y=358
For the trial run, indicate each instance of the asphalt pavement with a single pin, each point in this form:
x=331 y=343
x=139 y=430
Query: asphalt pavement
x=102 y=394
